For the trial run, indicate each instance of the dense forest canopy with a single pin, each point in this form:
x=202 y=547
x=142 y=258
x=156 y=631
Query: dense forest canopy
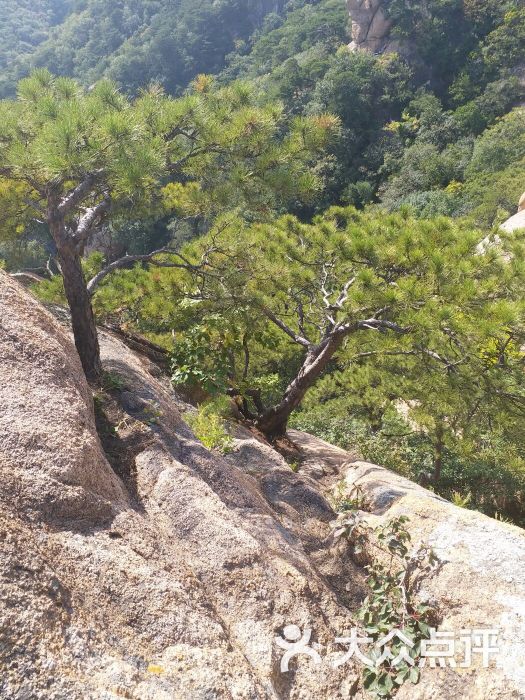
x=459 y=66
x=132 y=41
x=298 y=224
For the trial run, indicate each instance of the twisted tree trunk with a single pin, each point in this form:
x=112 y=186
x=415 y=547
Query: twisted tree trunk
x=274 y=422
x=82 y=316
x=439 y=445
x=77 y=294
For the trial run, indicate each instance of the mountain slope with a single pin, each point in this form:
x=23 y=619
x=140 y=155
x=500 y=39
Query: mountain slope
x=167 y=571
x=24 y=24
x=132 y=41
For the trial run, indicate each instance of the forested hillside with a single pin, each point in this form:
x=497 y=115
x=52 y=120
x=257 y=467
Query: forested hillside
x=409 y=118
x=296 y=223
x=132 y=41
x=24 y=24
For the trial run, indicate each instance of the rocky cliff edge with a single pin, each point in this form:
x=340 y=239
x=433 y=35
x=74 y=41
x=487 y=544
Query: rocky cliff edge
x=150 y=568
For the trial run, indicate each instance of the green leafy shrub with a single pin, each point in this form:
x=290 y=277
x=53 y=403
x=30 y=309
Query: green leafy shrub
x=209 y=425
x=395 y=572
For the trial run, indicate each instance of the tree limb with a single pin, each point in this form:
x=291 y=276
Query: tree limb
x=78 y=194
x=286 y=329
x=88 y=220
x=344 y=294
x=128 y=260
x=379 y=324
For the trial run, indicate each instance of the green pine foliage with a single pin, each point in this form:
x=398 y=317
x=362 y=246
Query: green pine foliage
x=442 y=401
x=238 y=175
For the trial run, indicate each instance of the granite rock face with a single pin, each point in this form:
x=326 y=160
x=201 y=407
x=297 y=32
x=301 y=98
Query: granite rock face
x=169 y=581
x=154 y=569
x=370 y=25
x=517 y=221
x=479 y=583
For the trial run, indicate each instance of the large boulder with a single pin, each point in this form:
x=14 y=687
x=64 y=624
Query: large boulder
x=370 y=25
x=52 y=465
x=517 y=221
x=479 y=583
x=168 y=580
x=147 y=567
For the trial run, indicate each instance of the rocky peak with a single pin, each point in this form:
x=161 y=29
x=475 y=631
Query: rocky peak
x=370 y=25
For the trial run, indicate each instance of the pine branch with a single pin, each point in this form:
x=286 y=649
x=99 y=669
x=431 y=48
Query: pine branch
x=79 y=193
x=285 y=328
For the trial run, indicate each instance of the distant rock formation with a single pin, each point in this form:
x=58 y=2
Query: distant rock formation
x=370 y=25
x=517 y=221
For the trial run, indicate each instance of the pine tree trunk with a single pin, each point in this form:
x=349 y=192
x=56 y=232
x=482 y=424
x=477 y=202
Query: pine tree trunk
x=438 y=453
x=274 y=422
x=82 y=317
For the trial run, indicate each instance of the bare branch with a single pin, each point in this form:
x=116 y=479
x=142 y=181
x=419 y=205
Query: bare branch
x=379 y=324
x=324 y=291
x=48 y=268
x=193 y=153
x=300 y=316
x=89 y=219
x=344 y=294
x=35 y=205
x=128 y=260
x=286 y=329
x=449 y=364
x=79 y=193
x=246 y=349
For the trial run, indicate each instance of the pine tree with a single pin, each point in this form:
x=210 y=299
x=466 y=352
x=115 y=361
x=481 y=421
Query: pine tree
x=418 y=299
x=76 y=159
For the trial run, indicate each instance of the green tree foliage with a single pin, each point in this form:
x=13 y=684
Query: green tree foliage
x=132 y=41
x=447 y=46
x=307 y=35
x=388 y=332
x=415 y=299
x=77 y=158
x=25 y=24
x=467 y=54
x=441 y=172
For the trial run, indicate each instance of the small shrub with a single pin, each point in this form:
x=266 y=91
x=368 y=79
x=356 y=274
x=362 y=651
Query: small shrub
x=458 y=499
x=111 y=381
x=209 y=425
x=344 y=502
x=395 y=572
x=294 y=466
x=152 y=414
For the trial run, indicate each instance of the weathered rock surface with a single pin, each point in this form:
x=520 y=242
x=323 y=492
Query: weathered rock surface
x=169 y=583
x=517 y=221
x=479 y=584
x=172 y=579
x=370 y=25
x=50 y=456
